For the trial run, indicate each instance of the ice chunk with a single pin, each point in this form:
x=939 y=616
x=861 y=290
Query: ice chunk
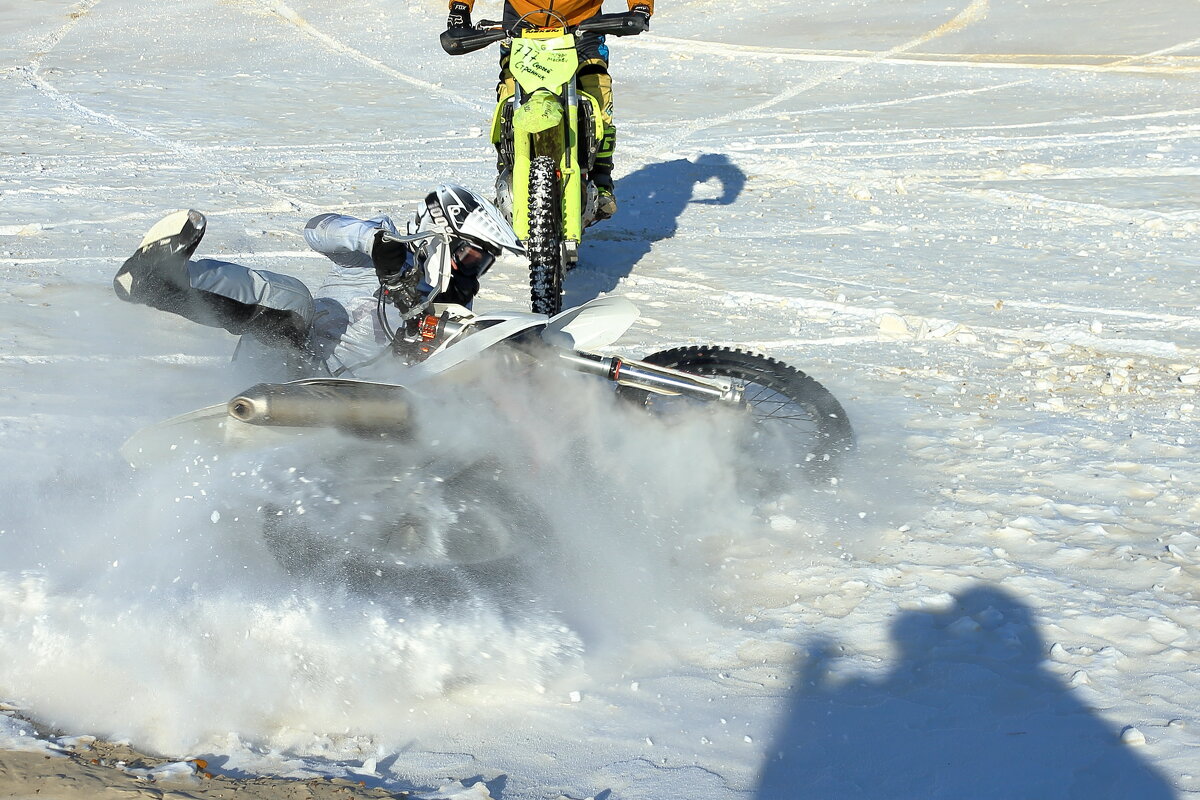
x=1132 y=736
x=893 y=325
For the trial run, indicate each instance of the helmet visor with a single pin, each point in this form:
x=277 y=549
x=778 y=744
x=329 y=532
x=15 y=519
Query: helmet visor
x=470 y=259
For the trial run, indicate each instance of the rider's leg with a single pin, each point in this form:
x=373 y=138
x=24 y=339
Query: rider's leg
x=273 y=308
x=595 y=80
x=506 y=87
x=598 y=84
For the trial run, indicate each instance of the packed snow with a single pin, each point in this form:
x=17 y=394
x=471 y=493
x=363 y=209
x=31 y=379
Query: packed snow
x=976 y=224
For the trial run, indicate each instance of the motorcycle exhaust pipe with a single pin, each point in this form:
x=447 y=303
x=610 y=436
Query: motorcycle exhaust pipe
x=344 y=405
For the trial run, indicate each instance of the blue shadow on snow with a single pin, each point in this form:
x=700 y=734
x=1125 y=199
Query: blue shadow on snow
x=967 y=712
x=652 y=200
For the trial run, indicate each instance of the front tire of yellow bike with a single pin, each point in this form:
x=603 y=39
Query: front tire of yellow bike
x=545 y=244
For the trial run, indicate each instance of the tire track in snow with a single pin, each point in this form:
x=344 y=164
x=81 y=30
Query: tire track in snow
x=290 y=255
x=31 y=73
x=1019 y=61
x=889 y=147
x=237 y=211
x=974 y=12
x=831 y=136
x=183 y=151
x=875 y=104
x=180 y=359
x=286 y=13
x=418 y=147
x=50 y=41
x=1166 y=51
x=874 y=315
x=1149 y=319
x=897 y=101
x=1072 y=209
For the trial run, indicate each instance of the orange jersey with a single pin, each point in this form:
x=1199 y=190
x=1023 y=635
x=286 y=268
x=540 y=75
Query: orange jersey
x=573 y=11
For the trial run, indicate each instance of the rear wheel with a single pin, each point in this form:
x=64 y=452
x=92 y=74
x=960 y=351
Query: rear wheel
x=388 y=533
x=794 y=416
x=545 y=245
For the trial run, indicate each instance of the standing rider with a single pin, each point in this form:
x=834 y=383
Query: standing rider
x=593 y=77
x=454 y=238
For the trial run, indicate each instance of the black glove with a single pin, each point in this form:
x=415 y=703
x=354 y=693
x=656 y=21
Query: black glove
x=642 y=12
x=389 y=256
x=399 y=280
x=460 y=15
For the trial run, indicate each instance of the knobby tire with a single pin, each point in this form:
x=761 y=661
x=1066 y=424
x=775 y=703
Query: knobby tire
x=544 y=247
x=775 y=394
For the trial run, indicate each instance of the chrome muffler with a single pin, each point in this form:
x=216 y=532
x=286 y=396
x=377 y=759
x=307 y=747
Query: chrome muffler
x=352 y=406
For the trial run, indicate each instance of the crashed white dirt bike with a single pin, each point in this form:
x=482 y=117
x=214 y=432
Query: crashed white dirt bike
x=389 y=521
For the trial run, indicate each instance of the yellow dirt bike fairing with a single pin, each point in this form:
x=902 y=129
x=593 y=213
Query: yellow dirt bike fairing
x=546 y=123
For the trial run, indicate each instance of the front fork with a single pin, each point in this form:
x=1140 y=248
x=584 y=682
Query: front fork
x=569 y=167
x=651 y=378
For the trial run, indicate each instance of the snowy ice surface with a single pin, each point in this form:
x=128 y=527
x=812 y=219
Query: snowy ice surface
x=17 y=734
x=976 y=223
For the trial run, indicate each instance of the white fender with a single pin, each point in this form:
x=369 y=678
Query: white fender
x=594 y=324
x=460 y=351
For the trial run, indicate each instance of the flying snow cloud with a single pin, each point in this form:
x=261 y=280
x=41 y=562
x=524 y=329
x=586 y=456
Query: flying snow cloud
x=218 y=590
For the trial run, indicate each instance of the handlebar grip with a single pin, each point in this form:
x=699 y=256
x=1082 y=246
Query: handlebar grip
x=614 y=24
x=457 y=41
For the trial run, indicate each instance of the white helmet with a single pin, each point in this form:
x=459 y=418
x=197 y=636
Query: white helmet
x=469 y=233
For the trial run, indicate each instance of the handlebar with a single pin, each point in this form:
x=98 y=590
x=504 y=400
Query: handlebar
x=458 y=41
x=625 y=24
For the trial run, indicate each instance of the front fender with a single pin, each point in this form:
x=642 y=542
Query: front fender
x=541 y=112
x=596 y=323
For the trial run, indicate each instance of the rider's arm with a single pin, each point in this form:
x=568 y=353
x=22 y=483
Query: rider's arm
x=347 y=240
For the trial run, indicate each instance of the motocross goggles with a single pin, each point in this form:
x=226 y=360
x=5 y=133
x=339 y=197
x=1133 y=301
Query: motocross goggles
x=471 y=259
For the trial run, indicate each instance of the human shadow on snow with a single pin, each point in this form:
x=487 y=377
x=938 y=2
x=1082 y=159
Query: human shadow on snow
x=968 y=711
x=651 y=201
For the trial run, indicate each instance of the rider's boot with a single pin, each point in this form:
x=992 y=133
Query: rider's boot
x=159 y=266
x=606 y=200
x=504 y=191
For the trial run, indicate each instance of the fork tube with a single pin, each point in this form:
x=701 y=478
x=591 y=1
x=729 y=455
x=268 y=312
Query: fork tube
x=521 y=161
x=522 y=156
x=660 y=380
x=572 y=191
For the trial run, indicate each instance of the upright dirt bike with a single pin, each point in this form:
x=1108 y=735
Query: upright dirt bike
x=548 y=134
